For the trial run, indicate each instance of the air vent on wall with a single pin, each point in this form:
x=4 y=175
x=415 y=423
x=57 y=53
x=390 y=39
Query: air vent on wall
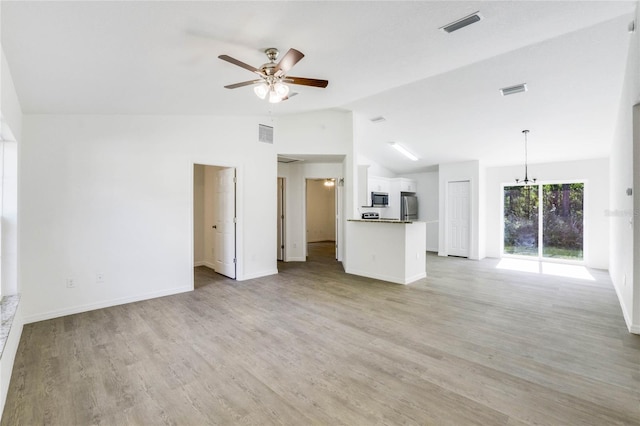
x=378 y=119
x=462 y=22
x=286 y=160
x=519 y=88
x=265 y=133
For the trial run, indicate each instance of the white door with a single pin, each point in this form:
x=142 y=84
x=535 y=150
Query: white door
x=225 y=227
x=280 y=248
x=458 y=212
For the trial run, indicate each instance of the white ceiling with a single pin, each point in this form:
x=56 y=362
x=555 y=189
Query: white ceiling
x=438 y=91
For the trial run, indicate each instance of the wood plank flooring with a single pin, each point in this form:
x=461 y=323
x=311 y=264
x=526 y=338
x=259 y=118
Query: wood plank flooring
x=468 y=345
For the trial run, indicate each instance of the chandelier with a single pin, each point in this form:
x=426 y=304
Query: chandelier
x=526 y=174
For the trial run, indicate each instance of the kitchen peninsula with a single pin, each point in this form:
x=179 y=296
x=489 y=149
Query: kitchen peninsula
x=389 y=250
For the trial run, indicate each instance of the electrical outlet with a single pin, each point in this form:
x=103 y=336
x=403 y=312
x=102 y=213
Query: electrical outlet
x=99 y=278
x=71 y=283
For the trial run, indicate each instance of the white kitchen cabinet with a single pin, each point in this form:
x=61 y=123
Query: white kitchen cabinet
x=407 y=185
x=378 y=184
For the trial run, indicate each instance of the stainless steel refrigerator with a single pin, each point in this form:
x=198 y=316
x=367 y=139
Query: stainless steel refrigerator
x=408 y=207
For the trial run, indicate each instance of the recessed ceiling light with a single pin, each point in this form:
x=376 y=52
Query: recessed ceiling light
x=378 y=119
x=519 y=88
x=401 y=149
x=462 y=22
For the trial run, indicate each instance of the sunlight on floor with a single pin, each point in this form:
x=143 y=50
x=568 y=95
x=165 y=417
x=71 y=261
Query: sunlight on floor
x=557 y=269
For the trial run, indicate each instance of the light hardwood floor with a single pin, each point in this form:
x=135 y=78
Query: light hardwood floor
x=470 y=344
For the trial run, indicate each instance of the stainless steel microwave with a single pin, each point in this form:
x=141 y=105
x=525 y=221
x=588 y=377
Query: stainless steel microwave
x=379 y=199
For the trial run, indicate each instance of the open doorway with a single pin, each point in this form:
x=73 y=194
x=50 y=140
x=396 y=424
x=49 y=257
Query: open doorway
x=214 y=224
x=321 y=218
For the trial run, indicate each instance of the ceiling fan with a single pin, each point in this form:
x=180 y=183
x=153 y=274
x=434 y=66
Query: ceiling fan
x=273 y=75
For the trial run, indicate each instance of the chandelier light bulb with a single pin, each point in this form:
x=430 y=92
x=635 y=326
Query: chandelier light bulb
x=274 y=98
x=261 y=90
x=281 y=90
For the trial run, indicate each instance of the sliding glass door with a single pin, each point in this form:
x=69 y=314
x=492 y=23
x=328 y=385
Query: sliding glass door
x=521 y=234
x=544 y=221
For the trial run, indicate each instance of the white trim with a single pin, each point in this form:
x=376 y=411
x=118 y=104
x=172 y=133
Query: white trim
x=105 y=304
x=296 y=259
x=209 y=265
x=625 y=314
x=387 y=278
x=199 y=263
x=258 y=275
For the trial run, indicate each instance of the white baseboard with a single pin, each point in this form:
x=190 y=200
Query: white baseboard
x=633 y=328
x=104 y=304
x=258 y=275
x=382 y=277
x=209 y=265
x=199 y=263
x=296 y=259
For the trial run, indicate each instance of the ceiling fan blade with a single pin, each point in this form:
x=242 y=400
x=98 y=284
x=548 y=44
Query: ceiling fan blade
x=239 y=63
x=287 y=62
x=306 y=81
x=244 y=83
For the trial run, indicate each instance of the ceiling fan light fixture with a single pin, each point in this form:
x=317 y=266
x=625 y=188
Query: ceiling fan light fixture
x=274 y=98
x=261 y=90
x=401 y=149
x=281 y=90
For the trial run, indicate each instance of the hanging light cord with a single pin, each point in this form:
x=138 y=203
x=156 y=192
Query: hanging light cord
x=526 y=161
x=526 y=168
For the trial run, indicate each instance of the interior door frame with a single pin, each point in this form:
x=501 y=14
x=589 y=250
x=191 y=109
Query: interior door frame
x=337 y=214
x=282 y=205
x=189 y=169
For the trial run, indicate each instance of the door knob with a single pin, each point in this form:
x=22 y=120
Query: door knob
x=214 y=227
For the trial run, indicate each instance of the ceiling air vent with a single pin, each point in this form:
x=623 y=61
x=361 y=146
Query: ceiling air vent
x=378 y=119
x=462 y=22
x=265 y=133
x=519 y=88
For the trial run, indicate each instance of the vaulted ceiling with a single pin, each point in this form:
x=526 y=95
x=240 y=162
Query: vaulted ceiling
x=439 y=92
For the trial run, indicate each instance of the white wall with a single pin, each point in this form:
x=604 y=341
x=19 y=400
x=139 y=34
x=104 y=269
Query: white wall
x=624 y=239
x=114 y=195
x=595 y=174
x=452 y=172
x=11 y=131
x=428 y=204
x=321 y=211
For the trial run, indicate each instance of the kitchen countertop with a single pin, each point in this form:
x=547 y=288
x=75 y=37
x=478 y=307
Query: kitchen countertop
x=381 y=220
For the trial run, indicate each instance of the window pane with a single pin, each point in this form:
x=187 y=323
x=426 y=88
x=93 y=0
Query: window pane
x=521 y=220
x=563 y=224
